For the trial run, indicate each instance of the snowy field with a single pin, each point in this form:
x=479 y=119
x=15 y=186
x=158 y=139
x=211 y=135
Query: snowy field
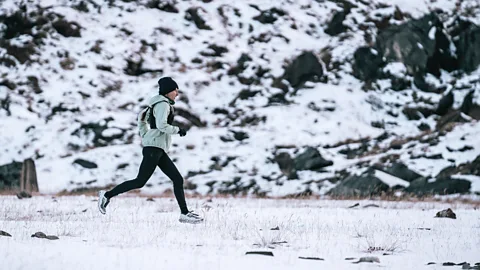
x=141 y=234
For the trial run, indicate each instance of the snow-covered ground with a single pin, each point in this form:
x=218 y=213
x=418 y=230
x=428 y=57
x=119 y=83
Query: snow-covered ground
x=113 y=33
x=141 y=234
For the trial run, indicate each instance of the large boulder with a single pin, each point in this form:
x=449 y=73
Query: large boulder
x=467 y=43
x=10 y=175
x=305 y=67
x=336 y=26
x=470 y=168
x=399 y=170
x=366 y=64
x=286 y=165
x=364 y=185
x=420 y=44
x=441 y=186
x=311 y=159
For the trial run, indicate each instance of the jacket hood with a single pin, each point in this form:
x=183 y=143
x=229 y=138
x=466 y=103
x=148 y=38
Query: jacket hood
x=158 y=98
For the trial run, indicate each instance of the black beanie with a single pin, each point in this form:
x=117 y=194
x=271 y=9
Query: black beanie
x=166 y=85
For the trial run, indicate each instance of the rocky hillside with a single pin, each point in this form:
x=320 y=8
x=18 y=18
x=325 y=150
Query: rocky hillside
x=340 y=97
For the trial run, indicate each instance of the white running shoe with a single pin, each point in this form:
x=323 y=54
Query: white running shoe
x=191 y=218
x=102 y=202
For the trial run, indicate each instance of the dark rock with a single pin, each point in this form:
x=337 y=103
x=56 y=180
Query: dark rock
x=335 y=26
x=417 y=113
x=311 y=159
x=240 y=135
x=401 y=43
x=269 y=16
x=10 y=175
x=44 y=236
x=364 y=185
x=399 y=84
x=355 y=205
x=467 y=103
x=23 y=195
x=241 y=64
x=355 y=152
x=192 y=14
x=278 y=98
x=366 y=64
x=266 y=253
x=286 y=164
x=469 y=168
x=448 y=264
x=424 y=127
x=467 y=45
x=3 y=233
x=135 y=67
x=22 y=53
x=452 y=117
x=420 y=82
x=305 y=67
x=214 y=51
x=368 y=260
x=67 y=29
x=399 y=170
x=463 y=149
x=166 y=6
x=96 y=129
x=85 y=163
x=448 y=213
x=445 y=104
x=469 y=108
x=442 y=186
x=312 y=258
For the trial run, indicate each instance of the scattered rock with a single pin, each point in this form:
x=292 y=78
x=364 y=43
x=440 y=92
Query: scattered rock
x=193 y=14
x=305 y=67
x=150 y=199
x=349 y=259
x=66 y=28
x=448 y=264
x=3 y=233
x=166 y=6
x=454 y=116
x=445 y=104
x=355 y=205
x=335 y=26
x=275 y=229
x=44 y=236
x=23 y=195
x=266 y=253
x=85 y=163
x=269 y=16
x=312 y=258
x=368 y=259
x=367 y=63
x=371 y=205
x=448 y=213
x=470 y=168
x=431 y=263
x=417 y=113
x=286 y=165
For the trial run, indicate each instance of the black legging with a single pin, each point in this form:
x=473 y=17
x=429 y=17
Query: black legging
x=153 y=157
